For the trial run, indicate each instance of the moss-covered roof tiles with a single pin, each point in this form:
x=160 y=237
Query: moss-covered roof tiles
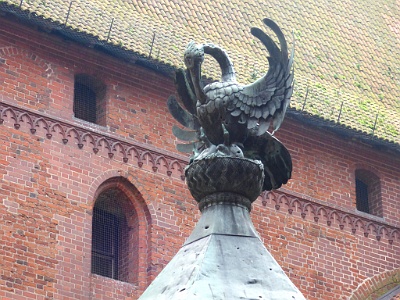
x=347 y=52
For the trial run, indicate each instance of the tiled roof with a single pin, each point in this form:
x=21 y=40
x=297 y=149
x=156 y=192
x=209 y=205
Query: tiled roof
x=346 y=59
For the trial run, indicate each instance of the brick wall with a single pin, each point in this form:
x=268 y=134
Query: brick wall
x=54 y=166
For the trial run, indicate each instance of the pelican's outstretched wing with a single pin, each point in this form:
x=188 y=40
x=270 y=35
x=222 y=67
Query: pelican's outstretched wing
x=186 y=115
x=274 y=156
x=267 y=99
x=180 y=114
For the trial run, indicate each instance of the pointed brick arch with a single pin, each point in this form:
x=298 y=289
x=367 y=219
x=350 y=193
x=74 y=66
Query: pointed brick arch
x=374 y=287
x=138 y=219
x=34 y=90
x=10 y=51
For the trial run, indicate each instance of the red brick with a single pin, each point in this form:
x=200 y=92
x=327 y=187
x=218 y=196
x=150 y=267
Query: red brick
x=48 y=188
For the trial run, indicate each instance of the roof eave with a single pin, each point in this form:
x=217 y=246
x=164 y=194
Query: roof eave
x=168 y=70
x=343 y=131
x=86 y=39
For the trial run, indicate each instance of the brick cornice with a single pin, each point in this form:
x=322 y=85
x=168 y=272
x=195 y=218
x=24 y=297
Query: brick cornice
x=331 y=215
x=81 y=136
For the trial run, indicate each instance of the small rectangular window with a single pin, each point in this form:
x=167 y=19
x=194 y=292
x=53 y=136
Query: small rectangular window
x=84 y=102
x=362 y=196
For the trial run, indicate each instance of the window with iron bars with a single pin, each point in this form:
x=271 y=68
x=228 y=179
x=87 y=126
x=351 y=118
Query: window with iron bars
x=89 y=99
x=106 y=243
x=362 y=196
x=368 y=193
x=84 y=102
x=114 y=242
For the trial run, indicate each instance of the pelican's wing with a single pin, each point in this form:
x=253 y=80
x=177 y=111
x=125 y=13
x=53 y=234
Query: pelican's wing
x=185 y=89
x=185 y=135
x=186 y=148
x=181 y=115
x=274 y=156
x=184 y=111
x=267 y=99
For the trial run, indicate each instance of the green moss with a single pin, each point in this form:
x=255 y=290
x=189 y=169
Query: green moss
x=357 y=84
x=298 y=94
x=339 y=76
x=361 y=85
x=365 y=121
x=392 y=130
x=364 y=105
x=320 y=86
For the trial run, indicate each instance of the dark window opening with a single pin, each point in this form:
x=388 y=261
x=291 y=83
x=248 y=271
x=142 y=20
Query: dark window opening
x=106 y=243
x=84 y=102
x=89 y=99
x=114 y=237
x=362 y=196
x=368 y=193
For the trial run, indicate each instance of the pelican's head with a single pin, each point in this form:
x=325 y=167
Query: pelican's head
x=194 y=55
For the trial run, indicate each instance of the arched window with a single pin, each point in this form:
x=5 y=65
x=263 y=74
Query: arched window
x=89 y=99
x=368 y=193
x=114 y=236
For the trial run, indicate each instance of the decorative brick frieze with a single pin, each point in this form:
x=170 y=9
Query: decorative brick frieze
x=83 y=136
x=320 y=212
x=142 y=153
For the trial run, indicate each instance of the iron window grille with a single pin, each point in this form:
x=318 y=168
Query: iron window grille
x=84 y=102
x=362 y=196
x=106 y=242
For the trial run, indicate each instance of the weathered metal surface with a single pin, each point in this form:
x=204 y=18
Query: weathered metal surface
x=222 y=219
x=233 y=119
x=224 y=174
x=220 y=266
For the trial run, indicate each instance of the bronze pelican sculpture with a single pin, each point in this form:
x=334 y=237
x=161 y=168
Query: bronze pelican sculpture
x=232 y=119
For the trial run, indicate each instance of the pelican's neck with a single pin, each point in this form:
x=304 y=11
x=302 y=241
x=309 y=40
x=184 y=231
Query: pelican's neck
x=226 y=65
x=195 y=73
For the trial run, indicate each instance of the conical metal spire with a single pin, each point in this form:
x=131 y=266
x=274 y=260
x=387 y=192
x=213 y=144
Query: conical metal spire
x=224 y=257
